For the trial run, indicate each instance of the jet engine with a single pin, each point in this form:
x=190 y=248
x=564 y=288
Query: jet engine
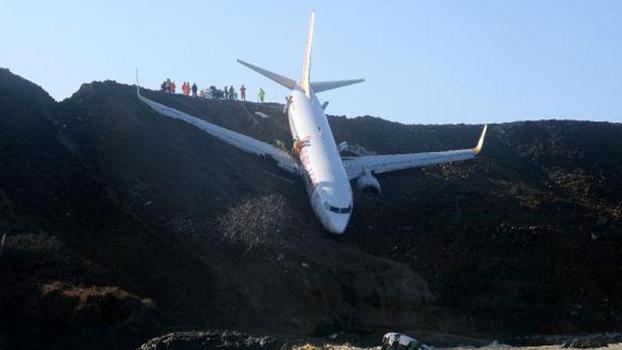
x=367 y=183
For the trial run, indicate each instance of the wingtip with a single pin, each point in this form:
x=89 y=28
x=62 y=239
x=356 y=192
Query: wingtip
x=137 y=83
x=480 y=143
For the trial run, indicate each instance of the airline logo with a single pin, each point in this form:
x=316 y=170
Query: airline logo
x=302 y=148
x=302 y=143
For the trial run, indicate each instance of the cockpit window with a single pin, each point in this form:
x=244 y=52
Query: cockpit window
x=337 y=210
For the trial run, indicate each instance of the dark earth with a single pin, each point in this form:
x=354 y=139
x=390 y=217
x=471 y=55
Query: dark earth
x=122 y=225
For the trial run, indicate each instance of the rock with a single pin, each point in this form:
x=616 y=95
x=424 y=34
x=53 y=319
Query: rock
x=212 y=339
x=593 y=341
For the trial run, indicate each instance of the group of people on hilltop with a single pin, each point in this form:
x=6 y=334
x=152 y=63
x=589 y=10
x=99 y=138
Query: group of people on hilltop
x=212 y=92
x=168 y=86
x=230 y=94
x=186 y=88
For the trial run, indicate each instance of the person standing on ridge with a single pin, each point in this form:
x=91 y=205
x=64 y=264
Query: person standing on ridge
x=194 y=89
x=232 y=92
x=261 y=94
x=243 y=92
x=173 y=87
x=288 y=102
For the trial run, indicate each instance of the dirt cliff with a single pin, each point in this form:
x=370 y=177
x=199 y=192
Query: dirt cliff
x=122 y=225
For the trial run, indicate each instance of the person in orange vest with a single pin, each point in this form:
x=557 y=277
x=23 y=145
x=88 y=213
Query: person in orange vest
x=243 y=92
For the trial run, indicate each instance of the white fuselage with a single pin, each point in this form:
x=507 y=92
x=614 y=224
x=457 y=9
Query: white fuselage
x=325 y=178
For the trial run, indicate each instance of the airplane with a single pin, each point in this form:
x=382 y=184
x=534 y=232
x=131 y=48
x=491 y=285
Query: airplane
x=315 y=155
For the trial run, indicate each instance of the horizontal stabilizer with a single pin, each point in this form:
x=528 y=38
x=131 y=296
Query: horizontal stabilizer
x=287 y=82
x=320 y=86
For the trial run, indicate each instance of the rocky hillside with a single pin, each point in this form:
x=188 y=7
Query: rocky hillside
x=122 y=225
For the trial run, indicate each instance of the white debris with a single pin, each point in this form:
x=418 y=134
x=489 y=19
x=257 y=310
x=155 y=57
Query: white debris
x=2 y=244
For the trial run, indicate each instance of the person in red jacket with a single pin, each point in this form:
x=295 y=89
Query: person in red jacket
x=243 y=92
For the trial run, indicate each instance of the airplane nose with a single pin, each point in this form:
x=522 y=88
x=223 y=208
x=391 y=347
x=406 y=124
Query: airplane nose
x=338 y=222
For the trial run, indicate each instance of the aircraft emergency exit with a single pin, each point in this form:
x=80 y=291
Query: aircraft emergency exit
x=315 y=155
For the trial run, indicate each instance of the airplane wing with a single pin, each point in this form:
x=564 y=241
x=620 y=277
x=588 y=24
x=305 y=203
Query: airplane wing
x=243 y=142
x=357 y=166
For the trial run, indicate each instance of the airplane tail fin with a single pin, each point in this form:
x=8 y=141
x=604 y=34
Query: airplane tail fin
x=287 y=82
x=305 y=80
x=305 y=83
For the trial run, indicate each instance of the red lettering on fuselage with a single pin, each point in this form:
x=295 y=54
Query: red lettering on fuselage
x=302 y=146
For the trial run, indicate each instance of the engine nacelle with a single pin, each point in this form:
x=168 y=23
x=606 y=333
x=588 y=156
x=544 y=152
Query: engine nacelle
x=368 y=183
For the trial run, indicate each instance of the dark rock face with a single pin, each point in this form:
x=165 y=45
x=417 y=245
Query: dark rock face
x=206 y=340
x=593 y=341
x=121 y=220
x=70 y=273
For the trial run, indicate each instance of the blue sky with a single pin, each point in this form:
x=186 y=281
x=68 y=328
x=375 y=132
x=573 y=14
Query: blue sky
x=423 y=61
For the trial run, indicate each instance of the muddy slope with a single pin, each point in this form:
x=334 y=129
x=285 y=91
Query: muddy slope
x=120 y=219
